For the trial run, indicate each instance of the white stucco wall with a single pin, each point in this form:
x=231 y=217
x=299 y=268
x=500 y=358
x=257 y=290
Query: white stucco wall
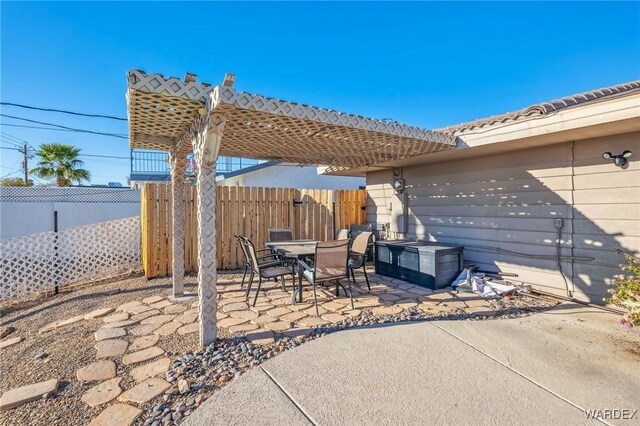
x=292 y=176
x=30 y=210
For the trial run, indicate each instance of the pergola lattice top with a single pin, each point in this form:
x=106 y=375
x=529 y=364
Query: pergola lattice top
x=161 y=110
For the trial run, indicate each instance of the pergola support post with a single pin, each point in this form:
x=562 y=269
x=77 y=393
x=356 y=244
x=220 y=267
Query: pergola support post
x=178 y=162
x=206 y=147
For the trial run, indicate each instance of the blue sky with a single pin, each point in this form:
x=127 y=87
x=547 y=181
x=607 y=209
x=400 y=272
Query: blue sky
x=423 y=64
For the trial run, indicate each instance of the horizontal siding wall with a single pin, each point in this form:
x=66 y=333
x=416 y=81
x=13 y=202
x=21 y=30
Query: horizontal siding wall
x=508 y=202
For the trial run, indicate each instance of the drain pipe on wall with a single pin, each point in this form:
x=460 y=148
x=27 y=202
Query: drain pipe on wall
x=559 y=224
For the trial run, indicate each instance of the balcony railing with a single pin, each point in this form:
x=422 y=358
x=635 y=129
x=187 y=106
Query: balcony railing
x=154 y=165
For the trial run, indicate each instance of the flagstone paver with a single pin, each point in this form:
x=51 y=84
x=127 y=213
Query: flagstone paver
x=125 y=306
x=117 y=324
x=243 y=328
x=241 y=306
x=10 y=342
x=161 y=304
x=297 y=332
x=388 y=298
x=246 y=314
x=120 y=316
x=262 y=308
x=407 y=303
x=387 y=310
x=155 y=368
x=98 y=313
x=278 y=312
x=228 y=322
x=293 y=316
x=143 y=355
x=264 y=319
x=430 y=308
x=157 y=319
x=175 y=309
x=103 y=392
x=111 y=348
x=189 y=328
x=144 y=330
x=312 y=321
x=221 y=315
x=192 y=311
x=146 y=314
x=143 y=342
x=145 y=391
x=152 y=299
x=168 y=328
x=260 y=337
x=281 y=301
x=138 y=309
x=312 y=311
x=109 y=333
x=116 y=415
x=238 y=299
x=18 y=396
x=333 y=306
x=48 y=327
x=299 y=306
x=99 y=370
x=278 y=325
x=186 y=318
x=351 y=312
x=333 y=317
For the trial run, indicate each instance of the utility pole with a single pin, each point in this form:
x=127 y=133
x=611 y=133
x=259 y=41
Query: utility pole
x=25 y=164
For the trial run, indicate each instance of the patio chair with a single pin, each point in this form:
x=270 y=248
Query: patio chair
x=342 y=234
x=357 y=256
x=268 y=271
x=356 y=230
x=280 y=234
x=263 y=259
x=330 y=264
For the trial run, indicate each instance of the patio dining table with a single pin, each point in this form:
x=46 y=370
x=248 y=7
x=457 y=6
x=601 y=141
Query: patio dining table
x=296 y=250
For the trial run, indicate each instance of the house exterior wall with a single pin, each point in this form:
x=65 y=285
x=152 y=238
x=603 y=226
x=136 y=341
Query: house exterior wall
x=509 y=201
x=292 y=176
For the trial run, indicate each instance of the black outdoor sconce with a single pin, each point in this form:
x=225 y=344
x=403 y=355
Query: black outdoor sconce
x=618 y=160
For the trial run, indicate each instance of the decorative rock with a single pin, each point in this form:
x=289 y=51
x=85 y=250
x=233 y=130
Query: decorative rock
x=183 y=386
x=387 y=310
x=152 y=369
x=160 y=305
x=16 y=397
x=333 y=317
x=189 y=328
x=109 y=333
x=175 y=309
x=6 y=331
x=158 y=319
x=228 y=322
x=11 y=342
x=143 y=355
x=242 y=328
x=168 y=329
x=111 y=348
x=103 y=393
x=121 y=316
x=118 y=324
x=144 y=330
x=244 y=314
x=100 y=370
x=152 y=299
x=40 y=355
x=260 y=337
x=146 y=314
x=143 y=342
x=117 y=414
x=98 y=313
x=145 y=391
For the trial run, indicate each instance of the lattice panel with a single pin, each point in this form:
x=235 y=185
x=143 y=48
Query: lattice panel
x=68 y=195
x=77 y=255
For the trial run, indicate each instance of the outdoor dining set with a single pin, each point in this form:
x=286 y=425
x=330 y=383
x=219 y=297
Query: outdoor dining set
x=317 y=262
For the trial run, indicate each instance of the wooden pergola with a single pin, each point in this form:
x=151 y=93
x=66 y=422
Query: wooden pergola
x=183 y=116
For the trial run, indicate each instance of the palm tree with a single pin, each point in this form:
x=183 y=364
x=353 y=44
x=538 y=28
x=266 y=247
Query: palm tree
x=61 y=162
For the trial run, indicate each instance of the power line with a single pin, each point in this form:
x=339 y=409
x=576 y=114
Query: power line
x=80 y=155
x=62 y=111
x=70 y=129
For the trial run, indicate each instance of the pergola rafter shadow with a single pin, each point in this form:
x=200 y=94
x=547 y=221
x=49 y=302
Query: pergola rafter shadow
x=184 y=116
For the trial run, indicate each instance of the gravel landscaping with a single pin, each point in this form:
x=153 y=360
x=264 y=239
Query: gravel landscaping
x=249 y=337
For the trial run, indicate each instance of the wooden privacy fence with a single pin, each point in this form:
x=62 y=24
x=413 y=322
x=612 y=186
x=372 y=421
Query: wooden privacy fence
x=310 y=213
